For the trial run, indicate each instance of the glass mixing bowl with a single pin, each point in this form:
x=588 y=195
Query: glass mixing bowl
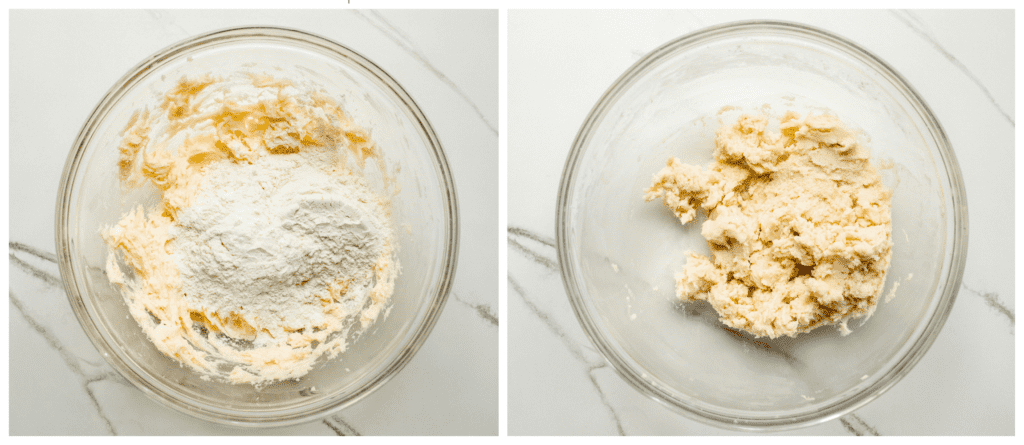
x=424 y=214
x=618 y=253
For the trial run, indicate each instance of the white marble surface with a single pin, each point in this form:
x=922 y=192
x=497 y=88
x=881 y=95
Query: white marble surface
x=560 y=62
x=63 y=62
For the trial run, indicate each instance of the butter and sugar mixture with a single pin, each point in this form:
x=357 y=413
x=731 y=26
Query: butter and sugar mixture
x=268 y=246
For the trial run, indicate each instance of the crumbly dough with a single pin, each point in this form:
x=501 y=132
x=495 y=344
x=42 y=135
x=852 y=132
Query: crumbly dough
x=798 y=223
x=208 y=120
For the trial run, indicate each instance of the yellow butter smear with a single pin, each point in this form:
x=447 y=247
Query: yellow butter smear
x=799 y=225
x=208 y=120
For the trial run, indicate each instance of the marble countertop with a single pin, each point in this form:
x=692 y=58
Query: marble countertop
x=559 y=64
x=63 y=62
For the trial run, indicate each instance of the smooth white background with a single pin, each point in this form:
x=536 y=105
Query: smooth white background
x=61 y=65
x=559 y=64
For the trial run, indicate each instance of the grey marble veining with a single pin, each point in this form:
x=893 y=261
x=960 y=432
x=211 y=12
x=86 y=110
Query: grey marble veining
x=564 y=379
x=592 y=361
x=992 y=299
x=340 y=427
x=963 y=385
x=856 y=426
x=36 y=272
x=516 y=240
x=380 y=22
x=52 y=362
x=916 y=25
x=484 y=311
x=72 y=362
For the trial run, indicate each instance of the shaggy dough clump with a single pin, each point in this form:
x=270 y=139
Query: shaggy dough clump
x=798 y=223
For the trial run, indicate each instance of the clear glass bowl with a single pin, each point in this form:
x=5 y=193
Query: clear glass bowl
x=424 y=214
x=618 y=254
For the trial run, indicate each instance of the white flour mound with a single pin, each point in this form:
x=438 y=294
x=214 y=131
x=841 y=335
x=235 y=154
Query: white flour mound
x=264 y=241
x=269 y=248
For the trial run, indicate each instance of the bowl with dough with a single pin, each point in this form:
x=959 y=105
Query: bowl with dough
x=257 y=226
x=751 y=303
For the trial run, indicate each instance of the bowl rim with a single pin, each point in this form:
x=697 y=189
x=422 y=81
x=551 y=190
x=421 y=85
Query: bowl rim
x=953 y=271
x=294 y=38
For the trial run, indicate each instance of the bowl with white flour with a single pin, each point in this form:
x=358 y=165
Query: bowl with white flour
x=257 y=226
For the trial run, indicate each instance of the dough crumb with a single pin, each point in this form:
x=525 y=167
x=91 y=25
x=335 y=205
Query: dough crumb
x=892 y=292
x=798 y=223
